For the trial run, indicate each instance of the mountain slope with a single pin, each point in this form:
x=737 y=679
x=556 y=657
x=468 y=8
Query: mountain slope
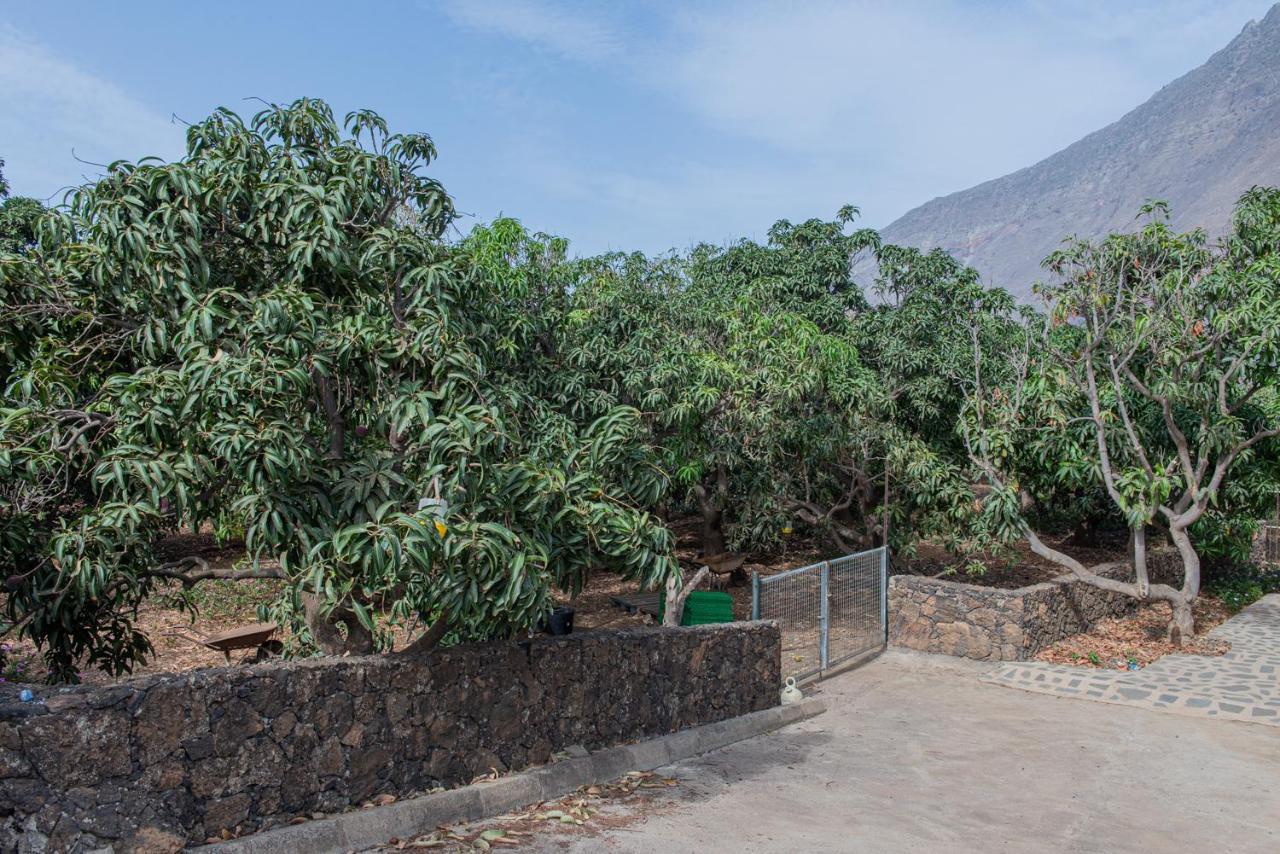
x=1198 y=143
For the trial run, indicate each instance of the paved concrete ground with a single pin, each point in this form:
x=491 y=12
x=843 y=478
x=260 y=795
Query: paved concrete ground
x=917 y=754
x=1243 y=685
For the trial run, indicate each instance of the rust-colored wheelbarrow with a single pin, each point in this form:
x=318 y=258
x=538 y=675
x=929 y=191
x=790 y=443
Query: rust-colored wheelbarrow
x=726 y=566
x=254 y=636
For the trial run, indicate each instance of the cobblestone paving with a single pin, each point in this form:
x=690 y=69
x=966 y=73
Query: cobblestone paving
x=1242 y=685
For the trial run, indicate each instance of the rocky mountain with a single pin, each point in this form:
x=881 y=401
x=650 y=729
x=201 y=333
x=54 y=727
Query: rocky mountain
x=1198 y=143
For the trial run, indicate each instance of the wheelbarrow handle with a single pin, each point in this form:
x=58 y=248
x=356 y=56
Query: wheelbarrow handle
x=187 y=635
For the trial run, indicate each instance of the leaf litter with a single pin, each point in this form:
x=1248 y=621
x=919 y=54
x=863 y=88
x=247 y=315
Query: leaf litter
x=587 y=810
x=1135 y=640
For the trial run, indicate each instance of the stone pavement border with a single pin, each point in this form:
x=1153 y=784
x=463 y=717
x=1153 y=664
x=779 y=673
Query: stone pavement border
x=1243 y=684
x=361 y=829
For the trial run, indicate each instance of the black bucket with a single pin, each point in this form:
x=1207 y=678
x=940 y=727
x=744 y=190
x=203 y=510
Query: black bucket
x=559 y=621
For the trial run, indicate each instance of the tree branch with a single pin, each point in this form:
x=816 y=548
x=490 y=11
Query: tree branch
x=175 y=570
x=429 y=639
x=677 y=596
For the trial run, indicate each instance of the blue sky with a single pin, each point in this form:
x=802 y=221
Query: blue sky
x=620 y=126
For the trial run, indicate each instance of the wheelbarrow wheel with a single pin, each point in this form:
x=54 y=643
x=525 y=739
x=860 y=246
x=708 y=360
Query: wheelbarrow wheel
x=268 y=650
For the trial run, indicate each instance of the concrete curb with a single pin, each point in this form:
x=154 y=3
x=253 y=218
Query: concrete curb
x=362 y=829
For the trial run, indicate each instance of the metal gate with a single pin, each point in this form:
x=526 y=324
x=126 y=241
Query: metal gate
x=829 y=612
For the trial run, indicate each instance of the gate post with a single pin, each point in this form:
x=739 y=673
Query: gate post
x=884 y=591
x=755 y=595
x=824 y=617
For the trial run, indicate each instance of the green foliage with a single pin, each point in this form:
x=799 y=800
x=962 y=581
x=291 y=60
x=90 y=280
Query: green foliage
x=757 y=389
x=936 y=326
x=1239 y=585
x=18 y=219
x=1152 y=386
x=224 y=601
x=1226 y=534
x=272 y=337
x=269 y=334
x=774 y=393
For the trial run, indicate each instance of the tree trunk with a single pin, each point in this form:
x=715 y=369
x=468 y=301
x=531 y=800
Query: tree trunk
x=1190 y=562
x=677 y=595
x=1182 y=626
x=429 y=639
x=713 y=532
x=711 y=509
x=329 y=404
x=325 y=632
x=884 y=528
x=1138 y=552
x=663 y=512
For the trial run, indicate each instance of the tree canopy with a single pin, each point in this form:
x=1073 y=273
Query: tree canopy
x=18 y=218
x=1154 y=377
x=282 y=335
x=269 y=334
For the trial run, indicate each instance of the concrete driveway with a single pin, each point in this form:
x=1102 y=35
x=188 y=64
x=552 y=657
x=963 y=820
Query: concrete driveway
x=916 y=754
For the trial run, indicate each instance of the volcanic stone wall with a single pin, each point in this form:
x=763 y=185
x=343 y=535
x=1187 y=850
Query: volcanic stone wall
x=159 y=762
x=991 y=624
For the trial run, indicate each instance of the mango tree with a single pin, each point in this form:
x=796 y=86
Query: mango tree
x=754 y=354
x=1155 y=377
x=18 y=217
x=270 y=335
x=917 y=339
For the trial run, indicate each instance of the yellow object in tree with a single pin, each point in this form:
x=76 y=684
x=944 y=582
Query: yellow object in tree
x=786 y=532
x=441 y=528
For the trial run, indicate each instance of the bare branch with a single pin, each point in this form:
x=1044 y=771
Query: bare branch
x=180 y=570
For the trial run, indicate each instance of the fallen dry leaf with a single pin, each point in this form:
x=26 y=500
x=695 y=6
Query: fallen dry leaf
x=1139 y=637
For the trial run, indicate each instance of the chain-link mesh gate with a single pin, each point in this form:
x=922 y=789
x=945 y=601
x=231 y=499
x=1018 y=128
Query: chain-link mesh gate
x=829 y=612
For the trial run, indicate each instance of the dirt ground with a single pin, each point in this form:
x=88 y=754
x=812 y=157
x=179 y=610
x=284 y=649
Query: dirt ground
x=1018 y=566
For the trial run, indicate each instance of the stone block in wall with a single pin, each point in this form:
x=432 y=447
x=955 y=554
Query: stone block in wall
x=1264 y=548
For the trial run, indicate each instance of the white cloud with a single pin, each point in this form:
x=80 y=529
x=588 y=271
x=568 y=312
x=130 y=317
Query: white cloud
x=882 y=104
x=50 y=107
x=563 y=30
x=953 y=92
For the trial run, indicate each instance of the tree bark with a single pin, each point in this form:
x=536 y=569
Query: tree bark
x=677 y=595
x=325 y=633
x=329 y=405
x=713 y=542
x=1182 y=627
x=429 y=639
x=711 y=509
x=1190 y=561
x=1138 y=551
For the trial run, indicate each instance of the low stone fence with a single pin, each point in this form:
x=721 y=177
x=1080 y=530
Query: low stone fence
x=159 y=762
x=990 y=624
x=1264 y=550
